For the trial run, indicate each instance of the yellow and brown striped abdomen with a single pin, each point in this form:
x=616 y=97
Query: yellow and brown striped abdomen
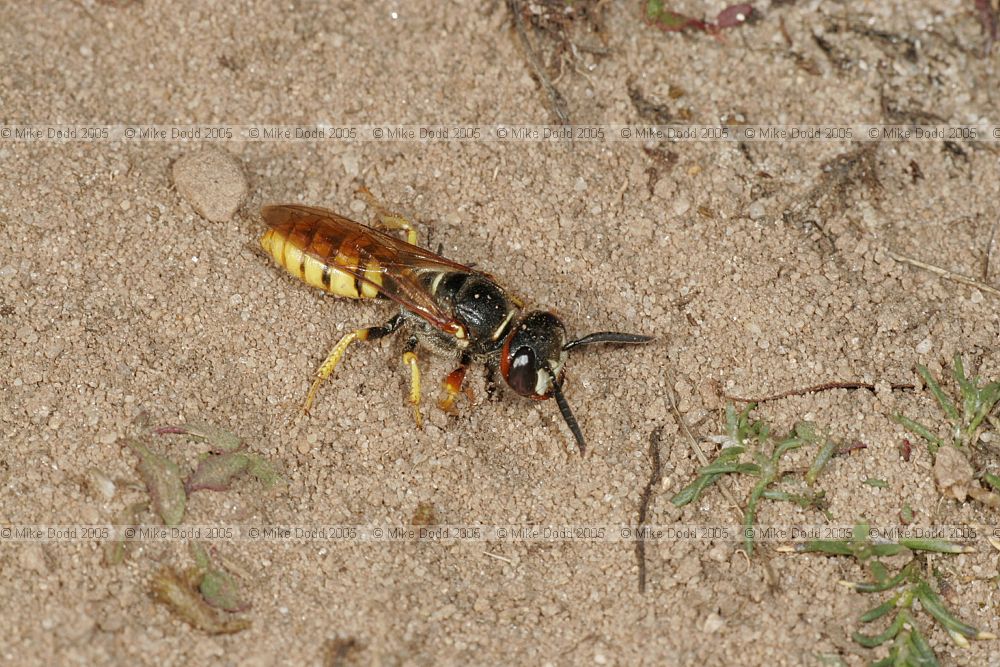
x=338 y=263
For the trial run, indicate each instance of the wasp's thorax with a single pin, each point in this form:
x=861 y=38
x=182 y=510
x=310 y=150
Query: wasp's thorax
x=480 y=305
x=532 y=357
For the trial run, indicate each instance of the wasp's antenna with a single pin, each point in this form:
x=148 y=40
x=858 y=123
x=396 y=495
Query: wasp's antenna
x=567 y=413
x=608 y=337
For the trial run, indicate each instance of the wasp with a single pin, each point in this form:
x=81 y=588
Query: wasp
x=443 y=304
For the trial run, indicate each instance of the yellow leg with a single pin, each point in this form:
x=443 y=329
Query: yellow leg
x=332 y=359
x=337 y=353
x=410 y=359
x=389 y=219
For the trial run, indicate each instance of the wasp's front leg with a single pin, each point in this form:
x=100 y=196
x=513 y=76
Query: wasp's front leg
x=452 y=384
x=491 y=382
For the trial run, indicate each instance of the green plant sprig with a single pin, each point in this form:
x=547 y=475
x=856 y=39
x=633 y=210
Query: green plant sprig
x=977 y=402
x=909 y=646
x=748 y=438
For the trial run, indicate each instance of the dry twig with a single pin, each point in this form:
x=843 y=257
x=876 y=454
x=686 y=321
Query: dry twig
x=944 y=273
x=647 y=495
x=558 y=104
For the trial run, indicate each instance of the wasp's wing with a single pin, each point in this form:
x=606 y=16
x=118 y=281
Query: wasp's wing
x=395 y=268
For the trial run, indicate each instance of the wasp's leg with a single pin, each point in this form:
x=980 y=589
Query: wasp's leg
x=410 y=359
x=337 y=353
x=491 y=382
x=452 y=384
x=389 y=219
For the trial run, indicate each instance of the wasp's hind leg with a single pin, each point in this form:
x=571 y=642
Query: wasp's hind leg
x=410 y=359
x=337 y=353
x=389 y=219
x=452 y=384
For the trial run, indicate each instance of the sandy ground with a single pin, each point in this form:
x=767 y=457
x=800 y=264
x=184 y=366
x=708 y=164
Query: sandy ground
x=116 y=297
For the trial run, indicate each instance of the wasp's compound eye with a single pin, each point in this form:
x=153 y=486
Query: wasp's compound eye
x=522 y=375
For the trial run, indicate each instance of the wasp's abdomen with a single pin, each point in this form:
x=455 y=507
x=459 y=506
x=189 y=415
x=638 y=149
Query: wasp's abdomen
x=334 y=265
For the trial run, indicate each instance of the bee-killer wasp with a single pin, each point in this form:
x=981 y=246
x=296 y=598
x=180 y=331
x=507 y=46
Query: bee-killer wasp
x=445 y=304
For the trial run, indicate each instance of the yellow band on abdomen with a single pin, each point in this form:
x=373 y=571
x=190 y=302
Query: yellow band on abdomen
x=326 y=276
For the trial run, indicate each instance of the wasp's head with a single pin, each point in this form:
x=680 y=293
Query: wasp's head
x=533 y=356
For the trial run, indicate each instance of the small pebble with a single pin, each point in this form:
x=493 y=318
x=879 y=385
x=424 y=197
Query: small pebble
x=102 y=484
x=713 y=623
x=664 y=188
x=924 y=346
x=27 y=334
x=212 y=182
x=53 y=349
x=350 y=164
x=549 y=609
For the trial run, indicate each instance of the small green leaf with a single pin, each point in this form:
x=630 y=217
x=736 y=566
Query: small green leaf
x=832 y=547
x=992 y=480
x=750 y=514
x=816 y=500
x=877 y=483
x=217 y=472
x=730 y=454
x=920 y=650
x=871 y=641
x=667 y=19
x=932 y=605
x=785 y=446
x=719 y=468
x=942 y=398
x=920 y=430
x=885 y=584
x=826 y=452
x=732 y=422
x=219 y=590
x=879 y=573
x=116 y=550
x=691 y=492
x=179 y=595
x=216 y=585
x=935 y=546
x=906 y=514
x=263 y=472
x=201 y=558
x=968 y=391
x=219 y=439
x=806 y=431
x=881 y=610
x=884 y=549
x=163 y=481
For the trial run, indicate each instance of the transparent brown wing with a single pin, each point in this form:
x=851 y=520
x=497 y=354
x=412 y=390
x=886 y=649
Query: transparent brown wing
x=388 y=264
